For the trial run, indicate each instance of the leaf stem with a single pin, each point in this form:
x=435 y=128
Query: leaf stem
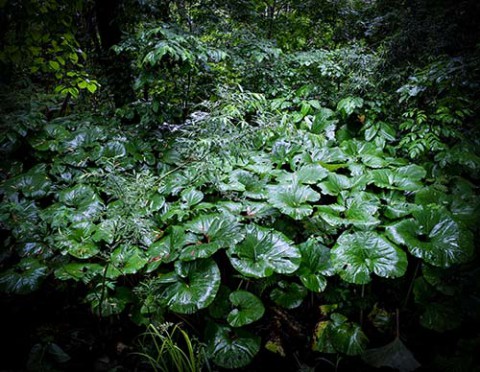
x=410 y=287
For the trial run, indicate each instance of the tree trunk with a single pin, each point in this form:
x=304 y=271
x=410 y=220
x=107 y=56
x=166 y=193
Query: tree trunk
x=117 y=67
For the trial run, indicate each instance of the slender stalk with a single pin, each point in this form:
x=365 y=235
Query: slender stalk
x=362 y=295
x=397 y=319
x=410 y=287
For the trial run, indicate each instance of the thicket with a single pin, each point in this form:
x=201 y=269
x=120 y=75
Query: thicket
x=213 y=185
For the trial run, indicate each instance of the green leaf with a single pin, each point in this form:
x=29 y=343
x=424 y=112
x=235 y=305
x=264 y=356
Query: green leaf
x=54 y=65
x=347 y=337
x=407 y=178
x=315 y=265
x=192 y=197
x=348 y=105
x=125 y=260
x=434 y=236
x=33 y=184
x=84 y=272
x=394 y=355
x=361 y=210
x=357 y=255
x=288 y=295
x=306 y=174
x=192 y=286
x=168 y=248
x=292 y=199
x=324 y=122
x=441 y=317
x=221 y=306
x=212 y=232
x=248 y=308
x=249 y=184
x=339 y=335
x=396 y=205
x=335 y=184
x=23 y=278
x=83 y=250
x=264 y=252
x=86 y=202
x=231 y=348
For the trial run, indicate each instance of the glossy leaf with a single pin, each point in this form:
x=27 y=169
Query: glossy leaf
x=357 y=255
x=248 y=308
x=79 y=271
x=168 y=248
x=292 y=200
x=231 y=348
x=335 y=184
x=125 y=260
x=339 y=335
x=434 y=236
x=192 y=197
x=23 y=278
x=212 y=232
x=33 y=184
x=264 y=252
x=407 y=178
x=192 y=286
x=306 y=174
x=315 y=265
x=288 y=295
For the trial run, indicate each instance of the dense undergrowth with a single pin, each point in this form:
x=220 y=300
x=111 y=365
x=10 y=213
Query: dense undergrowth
x=311 y=206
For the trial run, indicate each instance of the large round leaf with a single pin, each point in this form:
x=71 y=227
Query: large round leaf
x=407 y=178
x=288 y=295
x=394 y=355
x=231 y=348
x=335 y=184
x=292 y=199
x=125 y=260
x=358 y=210
x=248 y=183
x=86 y=202
x=357 y=255
x=24 y=278
x=77 y=271
x=315 y=265
x=192 y=286
x=213 y=232
x=434 y=236
x=339 y=335
x=264 y=252
x=306 y=174
x=168 y=248
x=33 y=184
x=248 y=308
